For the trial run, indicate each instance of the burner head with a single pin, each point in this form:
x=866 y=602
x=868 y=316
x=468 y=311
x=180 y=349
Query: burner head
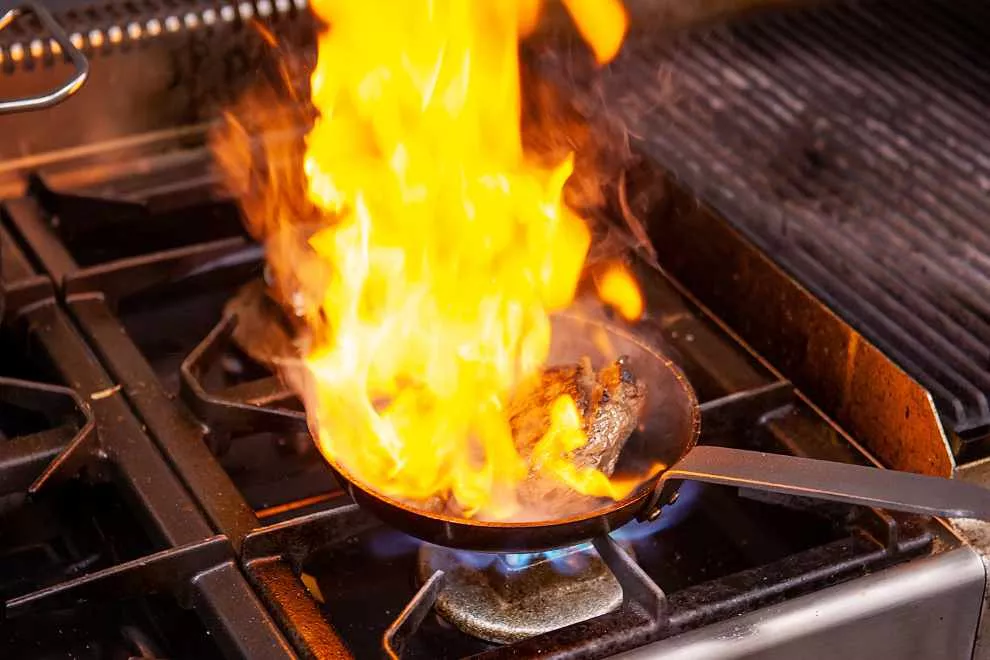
x=263 y=331
x=507 y=598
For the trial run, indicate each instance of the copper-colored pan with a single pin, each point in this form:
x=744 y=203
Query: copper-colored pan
x=668 y=436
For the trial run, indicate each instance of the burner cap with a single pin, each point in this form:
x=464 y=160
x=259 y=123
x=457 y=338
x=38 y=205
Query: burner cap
x=508 y=598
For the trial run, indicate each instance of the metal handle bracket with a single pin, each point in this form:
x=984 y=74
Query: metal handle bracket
x=78 y=60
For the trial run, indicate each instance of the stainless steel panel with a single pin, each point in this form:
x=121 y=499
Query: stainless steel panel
x=977 y=534
x=927 y=609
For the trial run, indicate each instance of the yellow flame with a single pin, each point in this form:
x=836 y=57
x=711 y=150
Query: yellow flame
x=602 y=23
x=618 y=288
x=444 y=249
x=566 y=433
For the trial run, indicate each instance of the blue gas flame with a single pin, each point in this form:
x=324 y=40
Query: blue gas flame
x=574 y=559
x=569 y=560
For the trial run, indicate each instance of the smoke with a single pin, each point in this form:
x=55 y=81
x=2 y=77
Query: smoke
x=259 y=148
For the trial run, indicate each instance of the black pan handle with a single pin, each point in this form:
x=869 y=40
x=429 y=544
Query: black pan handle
x=824 y=480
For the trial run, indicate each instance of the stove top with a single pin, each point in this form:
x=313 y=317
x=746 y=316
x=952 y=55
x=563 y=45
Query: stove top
x=196 y=494
x=105 y=553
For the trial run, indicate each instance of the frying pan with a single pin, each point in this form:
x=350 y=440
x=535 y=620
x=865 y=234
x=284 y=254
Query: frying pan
x=668 y=435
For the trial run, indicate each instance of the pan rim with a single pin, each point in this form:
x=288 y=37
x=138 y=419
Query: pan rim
x=638 y=494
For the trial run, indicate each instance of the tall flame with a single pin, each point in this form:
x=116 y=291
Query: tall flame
x=443 y=249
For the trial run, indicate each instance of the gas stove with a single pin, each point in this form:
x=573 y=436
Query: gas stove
x=138 y=331
x=164 y=499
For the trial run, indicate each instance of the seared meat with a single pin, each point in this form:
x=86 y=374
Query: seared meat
x=610 y=403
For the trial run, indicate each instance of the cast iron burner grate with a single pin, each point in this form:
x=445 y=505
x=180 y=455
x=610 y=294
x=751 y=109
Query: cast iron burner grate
x=103 y=554
x=154 y=628
x=336 y=580
x=849 y=141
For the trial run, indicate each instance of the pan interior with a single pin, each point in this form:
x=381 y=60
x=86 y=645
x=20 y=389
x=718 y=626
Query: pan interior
x=669 y=425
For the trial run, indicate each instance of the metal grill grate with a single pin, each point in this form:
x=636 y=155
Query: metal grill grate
x=852 y=142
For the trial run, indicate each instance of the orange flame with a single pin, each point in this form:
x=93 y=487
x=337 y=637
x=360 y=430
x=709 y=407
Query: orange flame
x=566 y=433
x=618 y=287
x=443 y=249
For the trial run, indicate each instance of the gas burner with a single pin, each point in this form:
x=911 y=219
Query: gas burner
x=508 y=598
